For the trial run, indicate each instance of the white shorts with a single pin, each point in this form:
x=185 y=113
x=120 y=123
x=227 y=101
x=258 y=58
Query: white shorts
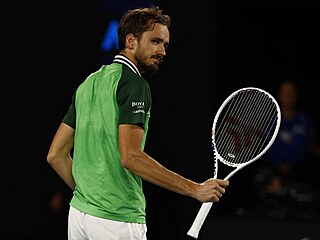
x=82 y=226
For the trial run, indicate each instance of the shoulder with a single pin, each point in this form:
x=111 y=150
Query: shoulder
x=131 y=79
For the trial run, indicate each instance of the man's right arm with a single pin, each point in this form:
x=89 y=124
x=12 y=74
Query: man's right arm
x=141 y=164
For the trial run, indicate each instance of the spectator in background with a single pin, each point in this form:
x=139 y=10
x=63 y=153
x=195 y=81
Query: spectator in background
x=284 y=176
x=294 y=139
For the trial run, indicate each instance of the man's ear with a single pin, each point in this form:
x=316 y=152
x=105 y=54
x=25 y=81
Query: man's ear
x=130 y=41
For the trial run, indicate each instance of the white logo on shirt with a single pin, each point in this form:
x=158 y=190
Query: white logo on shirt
x=139 y=106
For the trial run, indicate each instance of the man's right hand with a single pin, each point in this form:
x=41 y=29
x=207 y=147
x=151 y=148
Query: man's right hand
x=211 y=190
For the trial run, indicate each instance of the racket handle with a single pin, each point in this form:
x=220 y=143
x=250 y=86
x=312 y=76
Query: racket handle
x=199 y=220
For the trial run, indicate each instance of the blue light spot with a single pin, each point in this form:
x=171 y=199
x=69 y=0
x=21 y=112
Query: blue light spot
x=110 y=39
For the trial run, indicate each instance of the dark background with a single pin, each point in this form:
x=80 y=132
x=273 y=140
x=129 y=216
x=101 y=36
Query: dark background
x=216 y=47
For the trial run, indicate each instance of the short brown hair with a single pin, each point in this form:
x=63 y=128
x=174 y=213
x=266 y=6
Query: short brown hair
x=139 y=20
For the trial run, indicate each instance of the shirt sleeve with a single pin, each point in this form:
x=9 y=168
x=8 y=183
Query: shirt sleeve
x=134 y=100
x=70 y=117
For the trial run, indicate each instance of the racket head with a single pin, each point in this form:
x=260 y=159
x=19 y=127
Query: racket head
x=245 y=126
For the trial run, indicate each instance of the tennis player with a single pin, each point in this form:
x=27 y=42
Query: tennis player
x=98 y=148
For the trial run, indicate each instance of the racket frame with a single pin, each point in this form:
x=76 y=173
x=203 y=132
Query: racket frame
x=205 y=207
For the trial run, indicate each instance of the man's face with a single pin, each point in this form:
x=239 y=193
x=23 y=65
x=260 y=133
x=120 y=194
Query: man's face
x=151 y=48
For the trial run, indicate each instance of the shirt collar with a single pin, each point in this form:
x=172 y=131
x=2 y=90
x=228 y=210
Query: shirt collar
x=119 y=58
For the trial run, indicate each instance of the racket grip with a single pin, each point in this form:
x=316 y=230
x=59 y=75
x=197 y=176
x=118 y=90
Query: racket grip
x=199 y=220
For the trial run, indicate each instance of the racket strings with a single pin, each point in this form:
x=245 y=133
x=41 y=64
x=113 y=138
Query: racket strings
x=254 y=135
x=246 y=124
x=229 y=131
x=242 y=126
x=253 y=139
x=248 y=130
x=230 y=128
x=263 y=123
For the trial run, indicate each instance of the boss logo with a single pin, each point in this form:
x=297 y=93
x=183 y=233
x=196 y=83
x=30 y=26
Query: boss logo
x=137 y=104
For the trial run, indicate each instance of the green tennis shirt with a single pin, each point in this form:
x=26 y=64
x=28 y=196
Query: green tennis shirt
x=115 y=94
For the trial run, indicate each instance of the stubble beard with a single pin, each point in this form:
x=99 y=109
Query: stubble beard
x=144 y=65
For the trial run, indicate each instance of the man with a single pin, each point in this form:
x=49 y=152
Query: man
x=106 y=127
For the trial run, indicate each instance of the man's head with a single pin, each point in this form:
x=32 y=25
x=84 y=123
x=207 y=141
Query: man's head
x=143 y=36
x=288 y=94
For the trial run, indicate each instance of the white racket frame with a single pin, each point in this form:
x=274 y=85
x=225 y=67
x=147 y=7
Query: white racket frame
x=205 y=207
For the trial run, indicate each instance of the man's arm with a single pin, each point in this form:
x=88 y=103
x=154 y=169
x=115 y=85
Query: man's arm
x=59 y=155
x=141 y=164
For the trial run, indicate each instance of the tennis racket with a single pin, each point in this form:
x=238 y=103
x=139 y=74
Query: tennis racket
x=244 y=128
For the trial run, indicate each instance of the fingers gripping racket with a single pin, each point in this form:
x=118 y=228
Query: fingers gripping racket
x=244 y=128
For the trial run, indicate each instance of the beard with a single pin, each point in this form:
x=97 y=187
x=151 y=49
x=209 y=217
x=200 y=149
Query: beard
x=148 y=67
x=144 y=64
